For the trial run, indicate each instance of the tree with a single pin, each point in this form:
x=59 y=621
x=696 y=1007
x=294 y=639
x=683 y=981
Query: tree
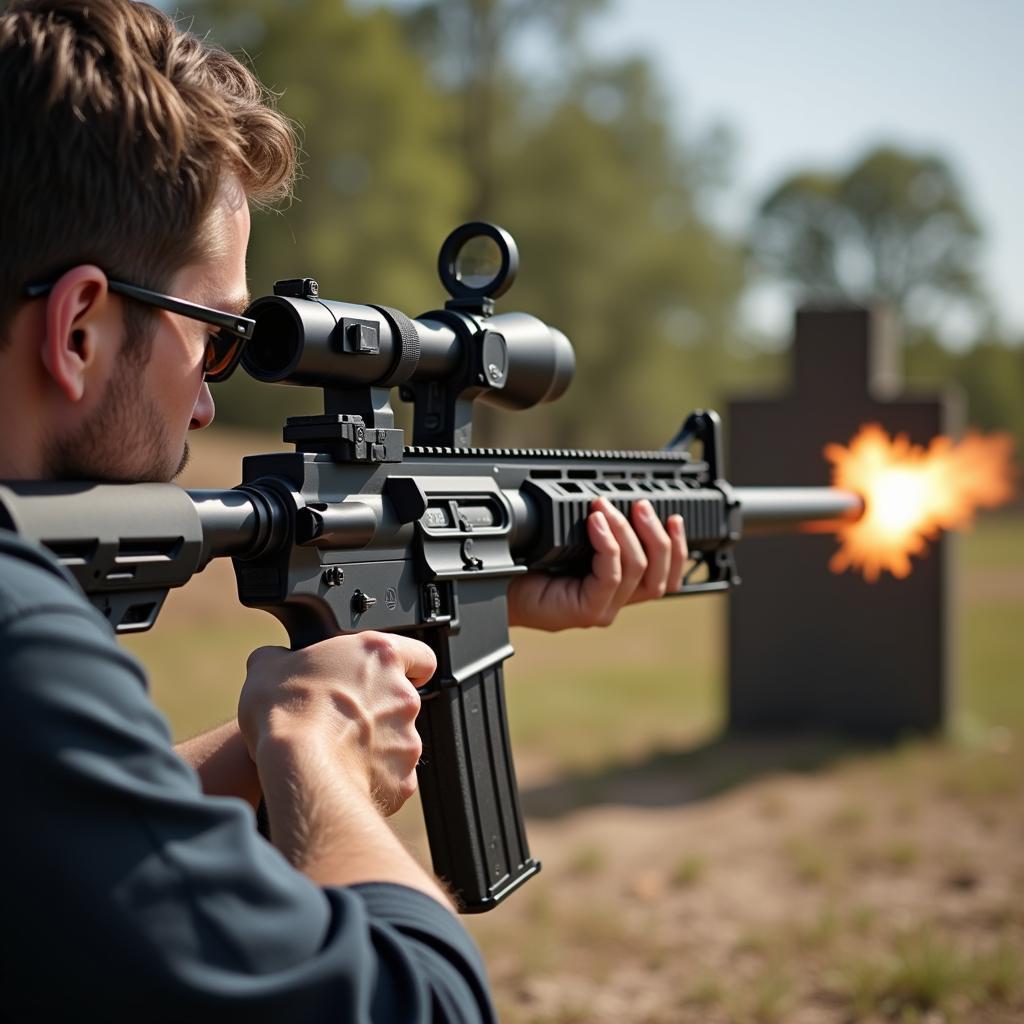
x=895 y=226
x=414 y=121
x=607 y=204
x=989 y=375
x=380 y=185
x=468 y=43
x=992 y=374
x=606 y=201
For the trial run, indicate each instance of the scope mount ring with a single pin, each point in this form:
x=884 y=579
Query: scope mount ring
x=468 y=285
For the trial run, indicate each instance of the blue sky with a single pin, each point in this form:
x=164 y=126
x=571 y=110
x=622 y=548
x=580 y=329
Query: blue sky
x=814 y=83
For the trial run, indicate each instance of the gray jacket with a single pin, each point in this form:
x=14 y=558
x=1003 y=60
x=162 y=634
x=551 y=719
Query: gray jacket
x=130 y=896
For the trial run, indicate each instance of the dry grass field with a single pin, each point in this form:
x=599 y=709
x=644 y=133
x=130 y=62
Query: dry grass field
x=691 y=877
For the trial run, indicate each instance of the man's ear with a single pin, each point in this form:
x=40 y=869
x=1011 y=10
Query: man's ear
x=78 y=322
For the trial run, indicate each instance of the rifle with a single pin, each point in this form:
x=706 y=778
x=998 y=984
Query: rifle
x=355 y=530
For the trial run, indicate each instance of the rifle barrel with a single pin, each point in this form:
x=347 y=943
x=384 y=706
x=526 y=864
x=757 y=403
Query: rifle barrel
x=773 y=509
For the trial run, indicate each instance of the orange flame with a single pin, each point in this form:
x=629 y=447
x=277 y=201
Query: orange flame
x=911 y=493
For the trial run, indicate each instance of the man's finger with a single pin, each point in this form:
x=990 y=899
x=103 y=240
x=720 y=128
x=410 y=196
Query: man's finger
x=598 y=589
x=657 y=547
x=634 y=561
x=417 y=660
x=420 y=660
x=680 y=552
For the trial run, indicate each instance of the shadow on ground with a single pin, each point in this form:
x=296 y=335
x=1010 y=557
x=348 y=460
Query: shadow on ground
x=674 y=778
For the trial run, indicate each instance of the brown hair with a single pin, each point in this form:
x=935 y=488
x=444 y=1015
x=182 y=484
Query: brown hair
x=116 y=129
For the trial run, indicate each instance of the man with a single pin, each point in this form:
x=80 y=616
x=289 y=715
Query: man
x=138 y=888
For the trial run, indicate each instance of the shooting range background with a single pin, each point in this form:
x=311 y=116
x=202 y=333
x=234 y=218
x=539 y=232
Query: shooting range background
x=688 y=875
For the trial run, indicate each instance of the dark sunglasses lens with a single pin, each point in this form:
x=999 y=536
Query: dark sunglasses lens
x=221 y=357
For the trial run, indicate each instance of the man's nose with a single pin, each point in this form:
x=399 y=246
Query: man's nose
x=202 y=413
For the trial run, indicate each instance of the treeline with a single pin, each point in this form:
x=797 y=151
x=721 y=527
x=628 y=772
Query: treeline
x=416 y=117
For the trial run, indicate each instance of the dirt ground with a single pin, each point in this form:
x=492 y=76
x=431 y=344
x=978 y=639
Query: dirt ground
x=865 y=886
x=690 y=878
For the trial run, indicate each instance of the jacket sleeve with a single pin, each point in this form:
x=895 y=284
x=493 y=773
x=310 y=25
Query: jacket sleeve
x=132 y=896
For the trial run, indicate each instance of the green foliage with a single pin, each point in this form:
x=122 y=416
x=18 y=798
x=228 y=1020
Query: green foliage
x=811 y=861
x=895 y=226
x=606 y=204
x=925 y=973
x=380 y=185
x=688 y=871
x=928 y=972
x=990 y=375
x=417 y=118
x=469 y=44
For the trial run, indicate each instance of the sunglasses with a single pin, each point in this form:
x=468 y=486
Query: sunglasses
x=223 y=347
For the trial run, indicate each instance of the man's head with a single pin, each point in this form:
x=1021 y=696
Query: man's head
x=128 y=151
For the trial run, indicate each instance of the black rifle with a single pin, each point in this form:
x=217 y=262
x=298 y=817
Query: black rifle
x=354 y=530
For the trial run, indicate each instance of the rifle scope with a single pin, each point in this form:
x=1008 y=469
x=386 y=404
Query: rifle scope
x=512 y=360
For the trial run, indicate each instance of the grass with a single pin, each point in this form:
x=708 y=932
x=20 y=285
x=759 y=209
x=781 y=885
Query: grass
x=209 y=668
x=850 y=819
x=821 y=931
x=688 y=871
x=923 y=973
x=566 y=692
x=976 y=775
x=861 y=919
x=992 y=658
x=928 y=971
x=765 y=999
x=706 y=992
x=986 y=546
x=812 y=862
x=588 y=861
x=993 y=694
x=901 y=854
x=998 y=975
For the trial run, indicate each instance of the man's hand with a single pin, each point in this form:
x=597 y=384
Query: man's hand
x=632 y=563
x=332 y=731
x=354 y=697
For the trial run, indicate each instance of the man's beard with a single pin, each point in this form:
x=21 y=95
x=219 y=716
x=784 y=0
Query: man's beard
x=124 y=440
